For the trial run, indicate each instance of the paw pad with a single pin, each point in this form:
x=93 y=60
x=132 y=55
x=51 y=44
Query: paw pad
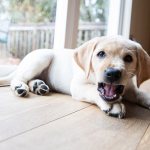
x=20 y=91
x=40 y=88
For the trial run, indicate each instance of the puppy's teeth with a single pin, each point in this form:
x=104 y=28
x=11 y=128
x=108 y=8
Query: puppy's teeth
x=102 y=91
x=114 y=96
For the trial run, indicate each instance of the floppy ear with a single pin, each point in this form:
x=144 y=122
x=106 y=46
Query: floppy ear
x=143 y=65
x=83 y=55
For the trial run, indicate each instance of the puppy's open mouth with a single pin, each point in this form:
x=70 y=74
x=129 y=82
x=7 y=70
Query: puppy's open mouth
x=110 y=92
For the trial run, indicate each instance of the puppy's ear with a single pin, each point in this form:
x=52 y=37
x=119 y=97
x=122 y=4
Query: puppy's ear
x=83 y=55
x=143 y=65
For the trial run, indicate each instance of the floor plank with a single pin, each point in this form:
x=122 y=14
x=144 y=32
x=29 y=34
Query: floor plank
x=87 y=129
x=145 y=142
x=18 y=115
x=58 y=122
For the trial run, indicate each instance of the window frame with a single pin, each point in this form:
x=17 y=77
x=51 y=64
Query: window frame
x=67 y=18
x=66 y=24
x=120 y=19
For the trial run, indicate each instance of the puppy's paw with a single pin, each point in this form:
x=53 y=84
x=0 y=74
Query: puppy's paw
x=38 y=87
x=21 y=90
x=105 y=107
x=118 y=110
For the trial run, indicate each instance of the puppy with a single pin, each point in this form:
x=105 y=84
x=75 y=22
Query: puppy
x=100 y=71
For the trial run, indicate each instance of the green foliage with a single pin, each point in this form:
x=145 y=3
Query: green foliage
x=31 y=11
x=94 y=10
x=44 y=11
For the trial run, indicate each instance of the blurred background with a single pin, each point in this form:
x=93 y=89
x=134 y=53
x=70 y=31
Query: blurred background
x=30 y=24
x=26 y=25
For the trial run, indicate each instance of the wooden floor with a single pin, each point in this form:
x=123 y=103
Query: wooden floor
x=57 y=122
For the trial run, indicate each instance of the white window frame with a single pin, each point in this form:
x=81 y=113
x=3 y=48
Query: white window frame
x=119 y=17
x=67 y=16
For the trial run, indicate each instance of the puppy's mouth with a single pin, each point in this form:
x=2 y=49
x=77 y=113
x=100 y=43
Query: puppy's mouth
x=110 y=92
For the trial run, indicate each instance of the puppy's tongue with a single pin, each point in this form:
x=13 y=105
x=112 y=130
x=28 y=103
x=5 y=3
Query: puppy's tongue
x=110 y=90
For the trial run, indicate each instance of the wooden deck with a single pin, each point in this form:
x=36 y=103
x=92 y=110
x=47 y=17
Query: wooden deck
x=57 y=122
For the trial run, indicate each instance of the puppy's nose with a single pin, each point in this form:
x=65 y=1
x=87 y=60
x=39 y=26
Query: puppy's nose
x=112 y=74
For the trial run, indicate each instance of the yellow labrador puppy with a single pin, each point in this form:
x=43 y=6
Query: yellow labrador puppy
x=100 y=72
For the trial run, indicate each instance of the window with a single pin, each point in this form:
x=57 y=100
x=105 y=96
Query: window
x=96 y=18
x=103 y=17
x=31 y=26
x=93 y=19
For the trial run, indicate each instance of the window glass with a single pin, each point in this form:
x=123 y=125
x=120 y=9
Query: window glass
x=26 y=25
x=93 y=19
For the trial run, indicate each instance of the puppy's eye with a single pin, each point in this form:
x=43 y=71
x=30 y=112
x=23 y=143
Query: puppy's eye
x=101 y=54
x=128 y=58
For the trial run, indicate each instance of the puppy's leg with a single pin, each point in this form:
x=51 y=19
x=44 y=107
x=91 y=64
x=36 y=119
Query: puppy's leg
x=30 y=67
x=88 y=93
x=38 y=87
x=143 y=99
x=133 y=94
x=139 y=97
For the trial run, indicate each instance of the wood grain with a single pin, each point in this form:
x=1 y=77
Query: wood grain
x=87 y=129
x=145 y=142
x=18 y=115
x=57 y=122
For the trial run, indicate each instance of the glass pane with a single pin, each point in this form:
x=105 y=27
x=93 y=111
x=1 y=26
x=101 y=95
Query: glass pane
x=93 y=19
x=26 y=25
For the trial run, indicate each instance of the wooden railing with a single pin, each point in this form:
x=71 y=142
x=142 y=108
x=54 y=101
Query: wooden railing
x=88 y=31
x=24 y=39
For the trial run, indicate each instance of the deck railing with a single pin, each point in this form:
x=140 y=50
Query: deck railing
x=24 y=39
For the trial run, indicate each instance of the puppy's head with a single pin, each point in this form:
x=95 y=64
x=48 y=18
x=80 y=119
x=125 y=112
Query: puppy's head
x=113 y=61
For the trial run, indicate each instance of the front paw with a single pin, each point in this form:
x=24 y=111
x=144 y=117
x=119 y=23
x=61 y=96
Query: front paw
x=117 y=110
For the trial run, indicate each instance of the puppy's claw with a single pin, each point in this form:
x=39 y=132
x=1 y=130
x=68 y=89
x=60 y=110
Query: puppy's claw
x=120 y=115
x=107 y=111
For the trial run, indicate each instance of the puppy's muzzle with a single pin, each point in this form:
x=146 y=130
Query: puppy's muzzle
x=109 y=90
x=112 y=74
